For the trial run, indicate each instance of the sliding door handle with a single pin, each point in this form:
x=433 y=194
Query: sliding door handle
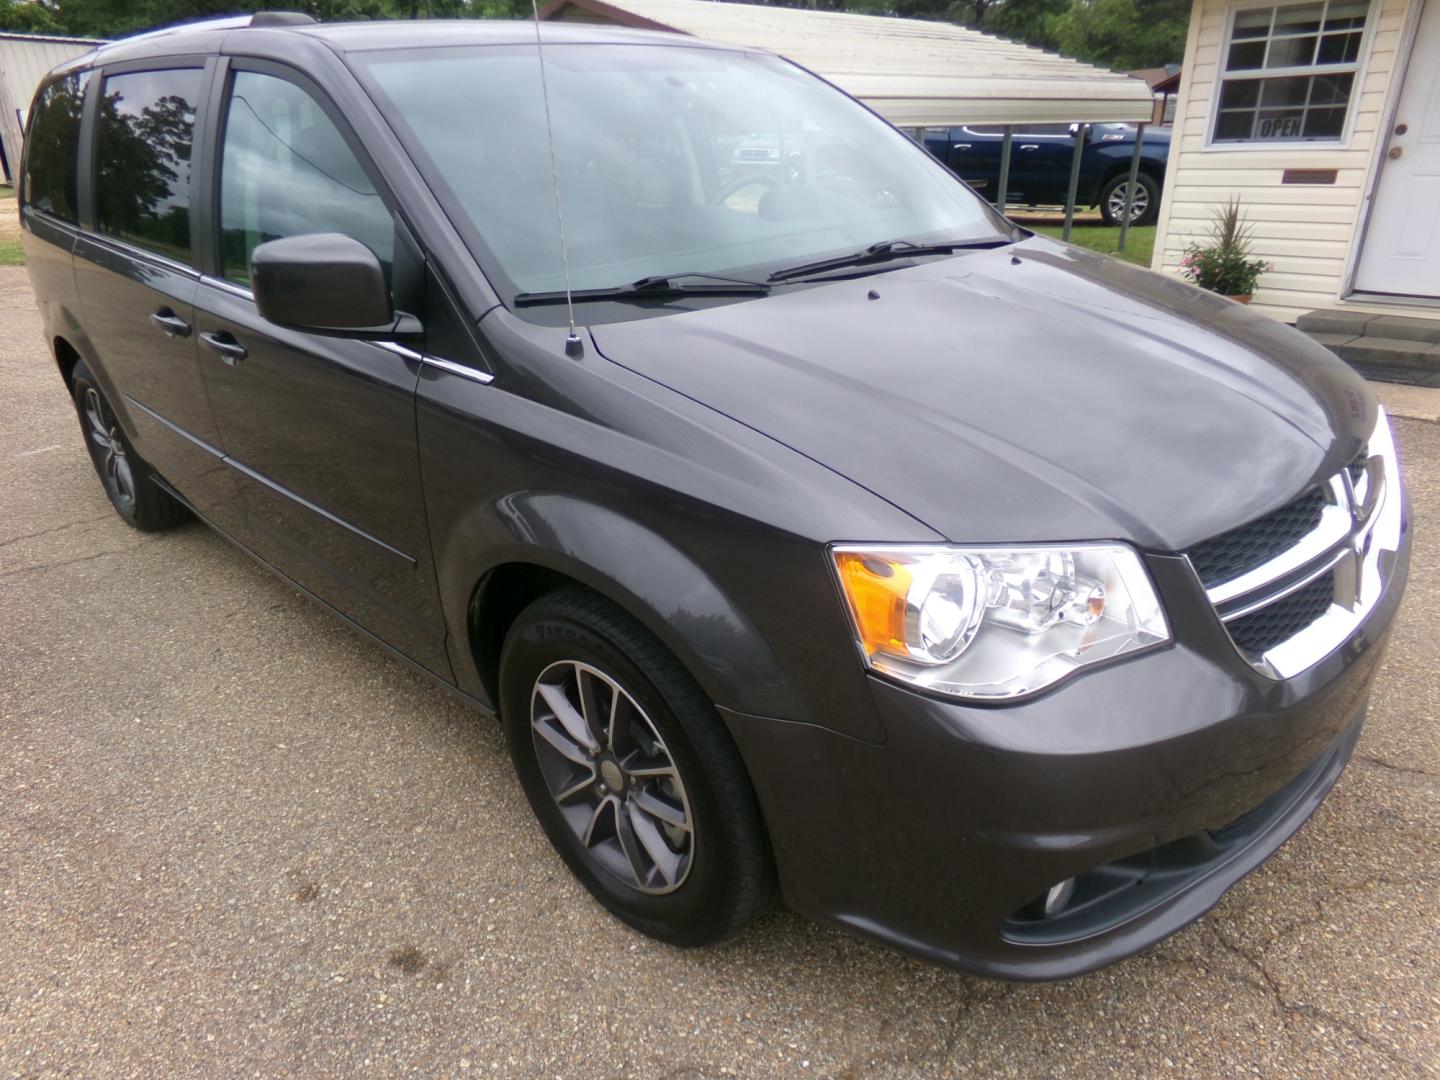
x=224 y=345
x=170 y=323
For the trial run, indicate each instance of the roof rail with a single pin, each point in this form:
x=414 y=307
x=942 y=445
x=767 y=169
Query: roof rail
x=232 y=22
x=280 y=18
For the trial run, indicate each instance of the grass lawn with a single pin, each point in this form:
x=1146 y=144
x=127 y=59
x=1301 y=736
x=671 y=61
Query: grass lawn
x=1103 y=238
x=10 y=251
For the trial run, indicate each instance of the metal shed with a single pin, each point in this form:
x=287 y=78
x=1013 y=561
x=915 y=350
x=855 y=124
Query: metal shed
x=914 y=73
x=24 y=61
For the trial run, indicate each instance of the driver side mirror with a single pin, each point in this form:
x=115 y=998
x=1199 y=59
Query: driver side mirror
x=325 y=283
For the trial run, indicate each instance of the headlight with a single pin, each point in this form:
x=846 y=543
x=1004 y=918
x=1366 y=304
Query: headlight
x=993 y=623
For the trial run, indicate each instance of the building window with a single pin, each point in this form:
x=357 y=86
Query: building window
x=1290 y=72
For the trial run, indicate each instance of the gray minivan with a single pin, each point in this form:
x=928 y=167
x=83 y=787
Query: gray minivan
x=997 y=600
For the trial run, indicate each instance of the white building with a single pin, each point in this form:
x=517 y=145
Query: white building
x=1323 y=116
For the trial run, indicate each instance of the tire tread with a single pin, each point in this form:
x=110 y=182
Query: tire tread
x=752 y=883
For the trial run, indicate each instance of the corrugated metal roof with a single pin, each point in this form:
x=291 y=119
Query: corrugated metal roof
x=913 y=73
x=57 y=39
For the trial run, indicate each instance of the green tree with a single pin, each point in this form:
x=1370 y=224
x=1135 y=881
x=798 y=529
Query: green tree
x=113 y=18
x=25 y=17
x=1030 y=21
x=1123 y=34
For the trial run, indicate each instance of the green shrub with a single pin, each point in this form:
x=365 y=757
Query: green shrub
x=1224 y=265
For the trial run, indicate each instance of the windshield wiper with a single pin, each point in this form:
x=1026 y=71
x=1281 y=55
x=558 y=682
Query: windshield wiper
x=659 y=287
x=884 y=251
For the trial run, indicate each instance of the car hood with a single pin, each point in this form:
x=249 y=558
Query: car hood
x=1034 y=392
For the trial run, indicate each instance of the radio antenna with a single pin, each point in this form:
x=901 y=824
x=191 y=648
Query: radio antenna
x=573 y=346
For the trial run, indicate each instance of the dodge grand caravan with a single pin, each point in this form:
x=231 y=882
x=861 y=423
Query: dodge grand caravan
x=994 y=599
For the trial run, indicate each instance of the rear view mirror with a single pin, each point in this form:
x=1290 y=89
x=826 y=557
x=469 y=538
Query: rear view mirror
x=325 y=283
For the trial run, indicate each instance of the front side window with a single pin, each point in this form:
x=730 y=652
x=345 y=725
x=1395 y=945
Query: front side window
x=671 y=160
x=1289 y=72
x=142 y=173
x=51 y=174
x=287 y=171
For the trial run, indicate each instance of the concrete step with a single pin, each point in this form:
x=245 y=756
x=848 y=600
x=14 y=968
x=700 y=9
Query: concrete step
x=1365 y=324
x=1392 y=348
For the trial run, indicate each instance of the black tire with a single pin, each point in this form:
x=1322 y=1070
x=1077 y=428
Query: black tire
x=125 y=475
x=728 y=876
x=1113 y=190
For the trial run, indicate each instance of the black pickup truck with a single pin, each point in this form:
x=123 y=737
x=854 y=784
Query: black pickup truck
x=1040 y=158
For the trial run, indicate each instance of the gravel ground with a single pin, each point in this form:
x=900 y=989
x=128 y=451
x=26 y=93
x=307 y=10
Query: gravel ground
x=236 y=840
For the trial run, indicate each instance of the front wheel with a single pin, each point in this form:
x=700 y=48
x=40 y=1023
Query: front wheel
x=630 y=771
x=1144 y=210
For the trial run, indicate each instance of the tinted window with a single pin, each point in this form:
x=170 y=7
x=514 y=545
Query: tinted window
x=288 y=171
x=50 y=163
x=142 y=179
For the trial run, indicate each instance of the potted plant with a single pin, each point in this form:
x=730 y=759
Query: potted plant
x=1224 y=265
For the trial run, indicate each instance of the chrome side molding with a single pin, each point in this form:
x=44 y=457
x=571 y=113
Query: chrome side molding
x=463 y=370
x=438 y=362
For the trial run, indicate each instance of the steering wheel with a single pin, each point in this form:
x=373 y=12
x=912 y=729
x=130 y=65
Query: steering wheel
x=769 y=181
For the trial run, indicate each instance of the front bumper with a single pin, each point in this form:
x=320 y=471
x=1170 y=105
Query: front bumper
x=1172 y=774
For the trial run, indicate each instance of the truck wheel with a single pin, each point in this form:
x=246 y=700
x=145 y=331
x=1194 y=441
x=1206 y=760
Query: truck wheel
x=1146 y=207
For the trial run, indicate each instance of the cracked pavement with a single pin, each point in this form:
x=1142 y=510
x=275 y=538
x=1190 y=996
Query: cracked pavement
x=235 y=840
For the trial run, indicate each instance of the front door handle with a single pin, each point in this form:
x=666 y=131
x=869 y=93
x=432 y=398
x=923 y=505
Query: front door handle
x=223 y=343
x=172 y=324
x=1030 y=146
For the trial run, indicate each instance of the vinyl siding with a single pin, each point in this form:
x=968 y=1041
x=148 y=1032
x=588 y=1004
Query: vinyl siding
x=1307 y=231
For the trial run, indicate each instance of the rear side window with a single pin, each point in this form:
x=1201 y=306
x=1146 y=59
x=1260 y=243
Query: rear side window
x=142 y=175
x=51 y=175
x=287 y=171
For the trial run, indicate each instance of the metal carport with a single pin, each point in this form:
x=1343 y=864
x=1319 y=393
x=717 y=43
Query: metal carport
x=913 y=73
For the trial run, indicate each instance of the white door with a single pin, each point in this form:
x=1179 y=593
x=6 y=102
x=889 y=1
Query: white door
x=1401 y=248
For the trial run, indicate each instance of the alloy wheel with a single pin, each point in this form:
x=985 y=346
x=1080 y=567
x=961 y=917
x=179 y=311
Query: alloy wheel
x=612 y=777
x=108 y=448
x=1137 y=209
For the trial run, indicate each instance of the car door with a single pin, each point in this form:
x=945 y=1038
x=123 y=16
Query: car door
x=135 y=272
x=319 y=430
x=974 y=156
x=1040 y=160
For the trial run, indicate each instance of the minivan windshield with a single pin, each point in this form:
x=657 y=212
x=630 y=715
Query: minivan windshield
x=671 y=160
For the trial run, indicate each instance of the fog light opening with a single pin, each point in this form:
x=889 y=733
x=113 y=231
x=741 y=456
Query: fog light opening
x=1058 y=896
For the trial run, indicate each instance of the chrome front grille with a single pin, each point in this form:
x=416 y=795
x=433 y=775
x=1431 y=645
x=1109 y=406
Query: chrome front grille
x=1238 y=551
x=1260 y=630
x=1291 y=587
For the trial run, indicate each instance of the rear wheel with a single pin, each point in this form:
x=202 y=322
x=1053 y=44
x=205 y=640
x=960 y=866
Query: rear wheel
x=630 y=772
x=124 y=475
x=1144 y=210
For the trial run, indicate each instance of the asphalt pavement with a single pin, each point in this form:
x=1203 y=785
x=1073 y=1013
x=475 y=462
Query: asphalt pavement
x=237 y=840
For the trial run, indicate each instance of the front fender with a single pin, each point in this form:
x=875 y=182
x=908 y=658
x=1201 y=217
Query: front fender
x=631 y=565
